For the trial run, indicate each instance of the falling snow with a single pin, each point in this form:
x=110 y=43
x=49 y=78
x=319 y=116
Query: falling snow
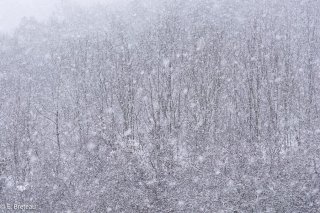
x=161 y=106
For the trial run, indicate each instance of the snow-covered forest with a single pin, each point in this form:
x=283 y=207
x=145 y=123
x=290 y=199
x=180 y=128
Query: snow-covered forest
x=163 y=106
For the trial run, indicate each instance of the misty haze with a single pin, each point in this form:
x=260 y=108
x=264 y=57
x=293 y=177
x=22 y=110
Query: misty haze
x=160 y=106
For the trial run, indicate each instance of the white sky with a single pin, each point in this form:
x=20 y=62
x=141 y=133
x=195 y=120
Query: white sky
x=11 y=11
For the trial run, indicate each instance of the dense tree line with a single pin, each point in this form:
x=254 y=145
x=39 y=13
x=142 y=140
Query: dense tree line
x=163 y=106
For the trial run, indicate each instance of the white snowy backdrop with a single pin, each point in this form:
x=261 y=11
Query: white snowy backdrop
x=163 y=106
